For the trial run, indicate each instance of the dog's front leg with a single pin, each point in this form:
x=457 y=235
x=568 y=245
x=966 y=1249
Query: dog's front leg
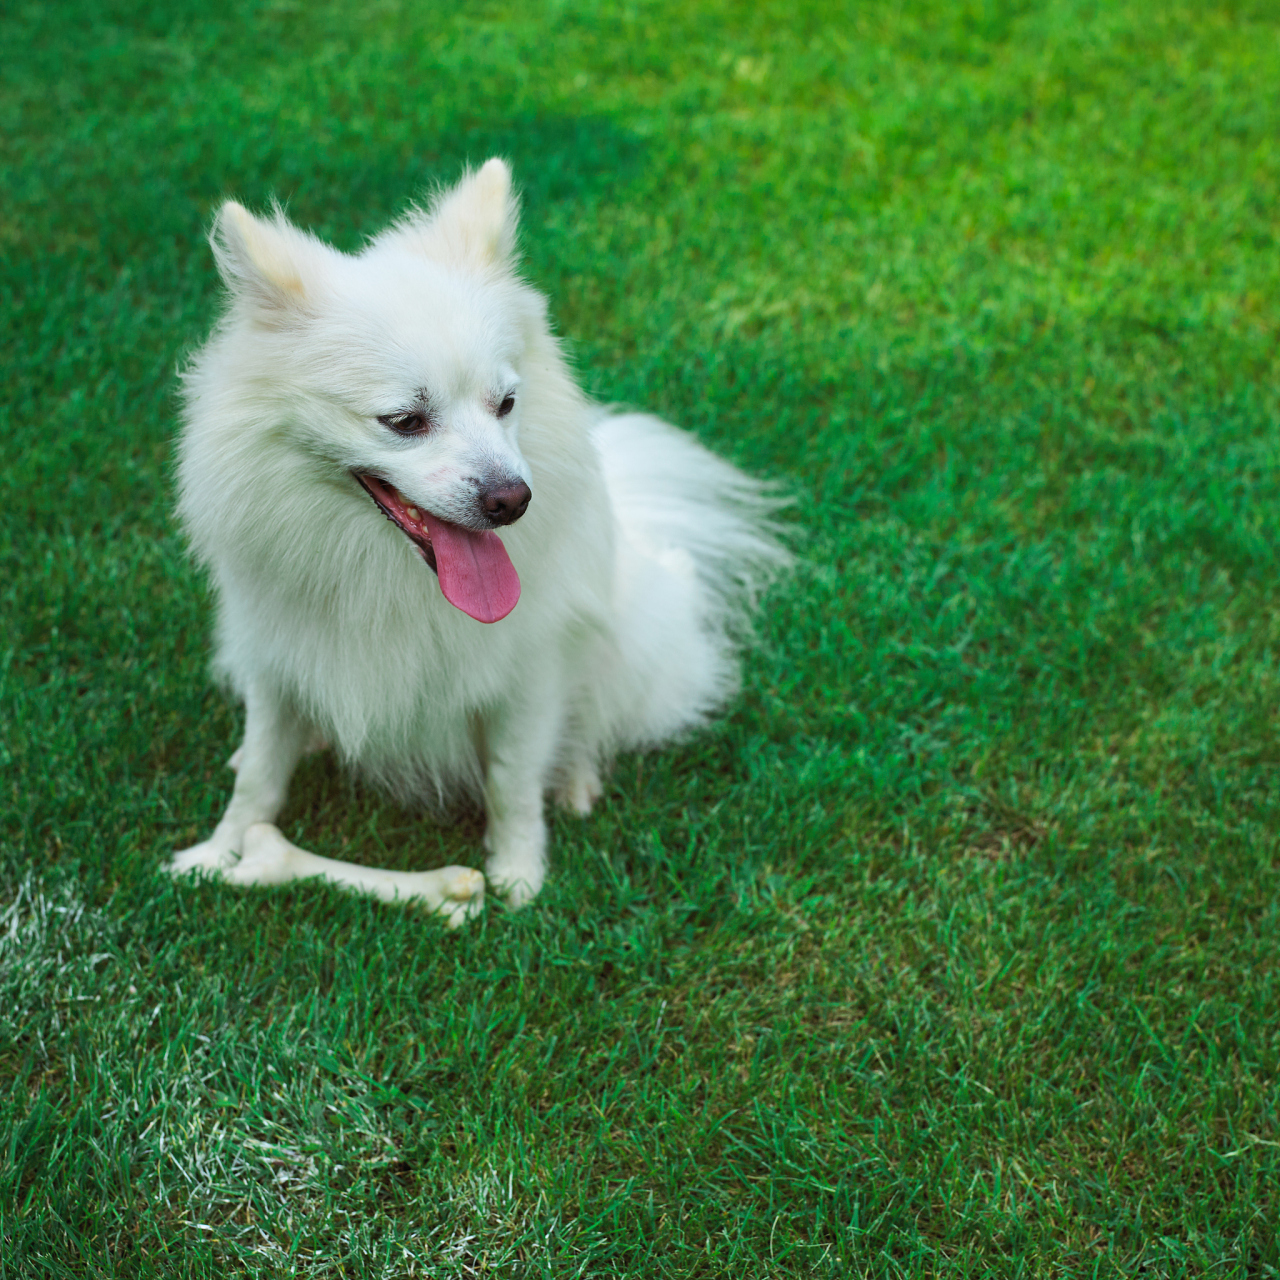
x=274 y=738
x=457 y=893
x=520 y=749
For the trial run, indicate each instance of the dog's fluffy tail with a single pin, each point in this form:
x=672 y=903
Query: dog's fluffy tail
x=697 y=543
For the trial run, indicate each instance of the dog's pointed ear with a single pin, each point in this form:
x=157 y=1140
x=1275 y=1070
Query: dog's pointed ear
x=480 y=214
x=266 y=261
x=472 y=224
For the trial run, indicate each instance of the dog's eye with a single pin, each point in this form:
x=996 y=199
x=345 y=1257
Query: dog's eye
x=508 y=403
x=406 y=424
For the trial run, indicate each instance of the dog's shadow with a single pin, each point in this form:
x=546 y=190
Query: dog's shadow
x=332 y=812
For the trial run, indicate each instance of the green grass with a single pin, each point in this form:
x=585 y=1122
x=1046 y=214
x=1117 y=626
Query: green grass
x=950 y=950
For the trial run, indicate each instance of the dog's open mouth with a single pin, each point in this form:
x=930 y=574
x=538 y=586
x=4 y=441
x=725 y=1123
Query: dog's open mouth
x=476 y=574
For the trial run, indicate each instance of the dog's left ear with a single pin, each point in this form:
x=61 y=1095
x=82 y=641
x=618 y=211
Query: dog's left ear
x=472 y=224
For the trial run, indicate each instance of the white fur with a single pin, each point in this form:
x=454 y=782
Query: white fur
x=639 y=555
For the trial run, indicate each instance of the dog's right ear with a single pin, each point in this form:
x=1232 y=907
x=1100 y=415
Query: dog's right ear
x=265 y=261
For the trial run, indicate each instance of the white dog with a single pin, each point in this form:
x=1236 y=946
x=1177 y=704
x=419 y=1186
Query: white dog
x=432 y=552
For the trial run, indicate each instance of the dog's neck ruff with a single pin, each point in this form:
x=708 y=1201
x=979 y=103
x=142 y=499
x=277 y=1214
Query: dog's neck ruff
x=476 y=574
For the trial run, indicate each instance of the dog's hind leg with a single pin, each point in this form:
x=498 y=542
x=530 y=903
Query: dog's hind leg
x=268 y=858
x=274 y=738
x=578 y=785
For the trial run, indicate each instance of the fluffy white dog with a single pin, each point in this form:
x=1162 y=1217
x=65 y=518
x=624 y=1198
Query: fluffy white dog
x=431 y=551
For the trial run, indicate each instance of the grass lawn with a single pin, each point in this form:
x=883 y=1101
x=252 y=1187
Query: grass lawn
x=951 y=949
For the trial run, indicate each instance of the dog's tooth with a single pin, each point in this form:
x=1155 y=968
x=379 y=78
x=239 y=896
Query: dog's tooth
x=413 y=513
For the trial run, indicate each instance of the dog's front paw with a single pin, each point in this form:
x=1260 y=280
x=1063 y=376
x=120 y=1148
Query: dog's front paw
x=267 y=858
x=461 y=892
x=212 y=855
x=517 y=880
x=517 y=863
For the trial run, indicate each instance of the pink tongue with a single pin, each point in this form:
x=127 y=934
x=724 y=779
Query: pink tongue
x=476 y=574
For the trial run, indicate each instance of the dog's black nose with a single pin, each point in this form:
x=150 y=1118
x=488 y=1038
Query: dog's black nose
x=506 y=503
